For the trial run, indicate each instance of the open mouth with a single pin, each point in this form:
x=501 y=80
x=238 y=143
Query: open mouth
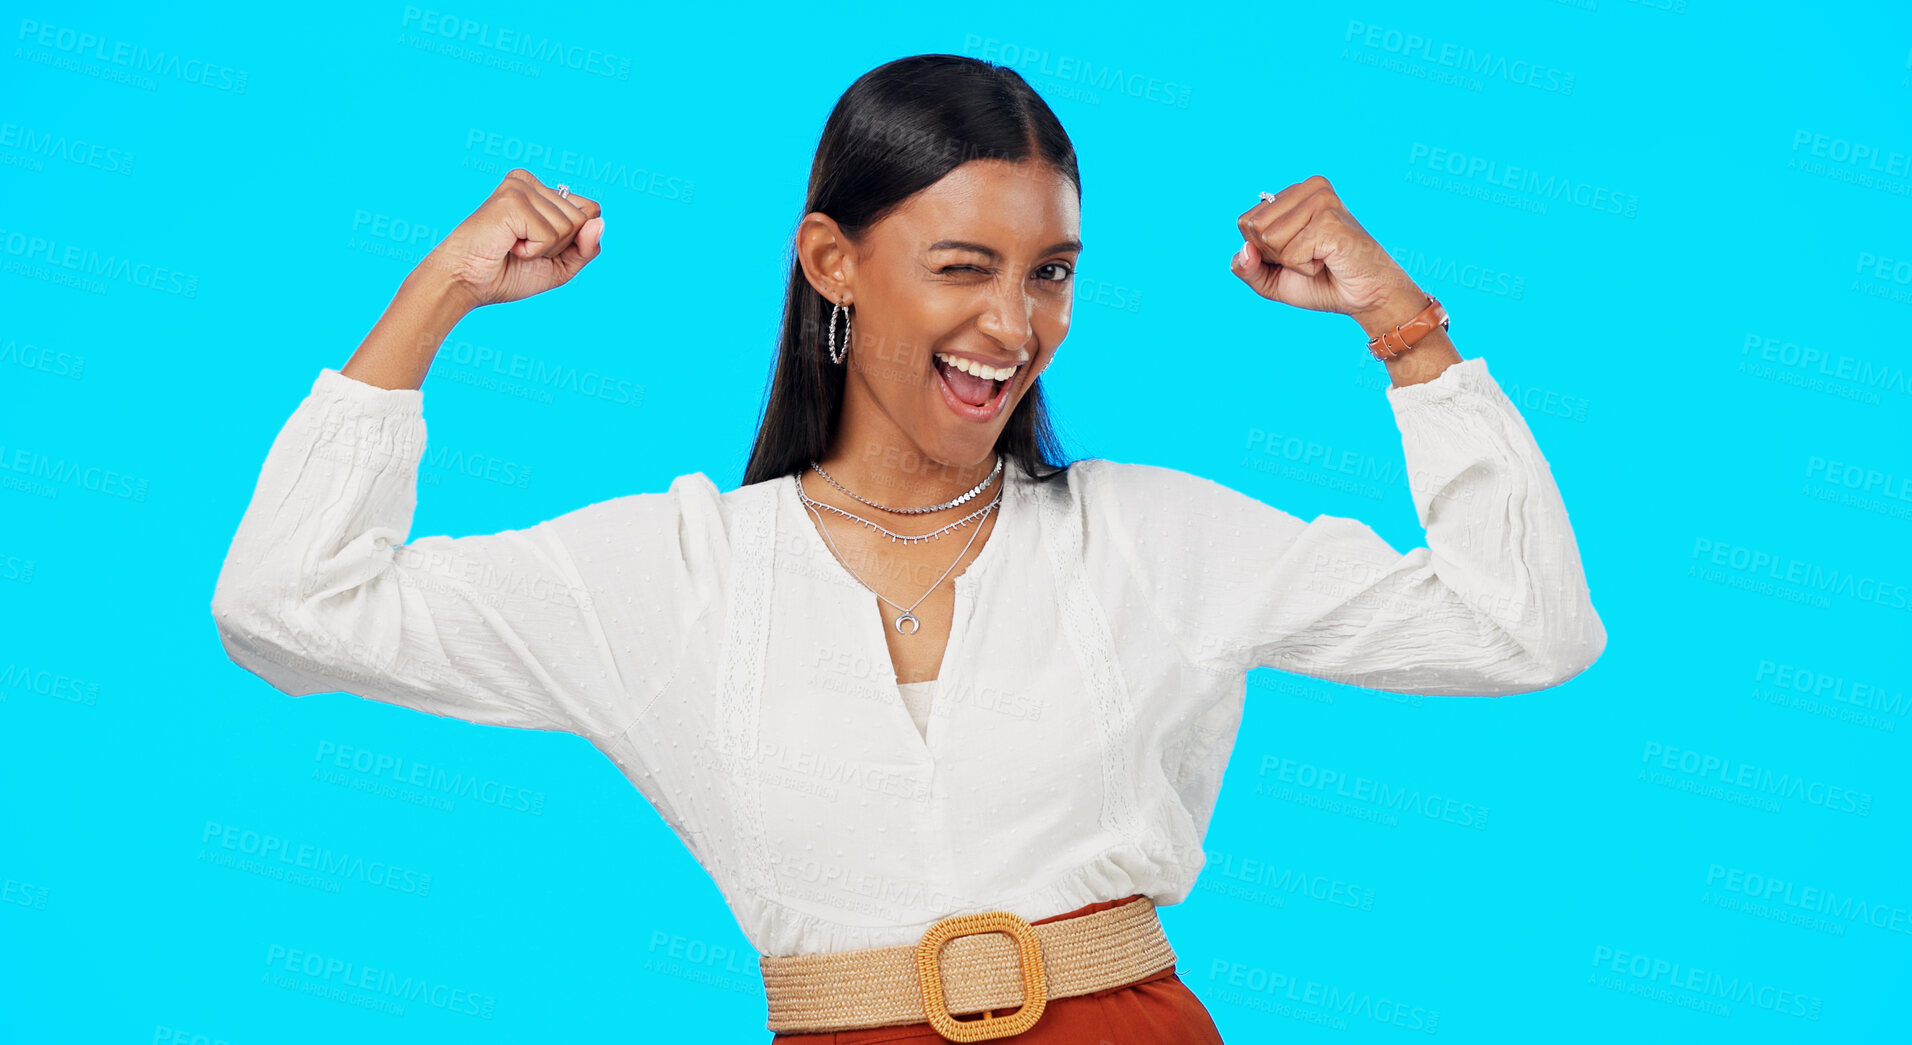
x=974 y=390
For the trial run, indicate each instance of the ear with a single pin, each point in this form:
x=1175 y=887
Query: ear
x=827 y=256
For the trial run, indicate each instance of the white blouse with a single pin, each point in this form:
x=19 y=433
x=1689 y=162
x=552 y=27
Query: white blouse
x=711 y=645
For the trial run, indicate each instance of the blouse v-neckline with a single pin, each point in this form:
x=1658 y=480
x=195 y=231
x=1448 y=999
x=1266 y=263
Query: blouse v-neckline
x=1009 y=517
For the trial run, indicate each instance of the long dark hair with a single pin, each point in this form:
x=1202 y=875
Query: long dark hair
x=897 y=130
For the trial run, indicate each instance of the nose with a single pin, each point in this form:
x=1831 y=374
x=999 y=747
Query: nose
x=1006 y=317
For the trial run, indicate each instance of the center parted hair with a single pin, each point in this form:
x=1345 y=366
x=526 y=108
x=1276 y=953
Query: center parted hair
x=897 y=130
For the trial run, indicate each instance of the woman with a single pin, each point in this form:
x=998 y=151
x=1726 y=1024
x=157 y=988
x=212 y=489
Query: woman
x=971 y=800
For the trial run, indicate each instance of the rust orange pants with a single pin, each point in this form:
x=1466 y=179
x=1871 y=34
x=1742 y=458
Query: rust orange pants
x=1155 y=1010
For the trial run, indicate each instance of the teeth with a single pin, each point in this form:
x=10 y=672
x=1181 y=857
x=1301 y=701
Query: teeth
x=970 y=366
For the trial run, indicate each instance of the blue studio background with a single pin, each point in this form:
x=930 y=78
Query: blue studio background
x=1677 y=230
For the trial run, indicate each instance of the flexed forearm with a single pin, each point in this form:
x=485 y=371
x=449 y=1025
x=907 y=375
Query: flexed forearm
x=399 y=350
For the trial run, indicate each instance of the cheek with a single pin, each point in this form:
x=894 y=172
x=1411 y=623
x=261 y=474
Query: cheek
x=1050 y=334
x=1053 y=322
x=916 y=331
x=893 y=353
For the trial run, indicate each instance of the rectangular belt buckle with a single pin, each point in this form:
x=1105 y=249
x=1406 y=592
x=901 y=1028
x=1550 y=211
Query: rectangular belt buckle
x=929 y=976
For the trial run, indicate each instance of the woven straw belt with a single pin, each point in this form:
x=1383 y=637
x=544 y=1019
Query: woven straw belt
x=965 y=964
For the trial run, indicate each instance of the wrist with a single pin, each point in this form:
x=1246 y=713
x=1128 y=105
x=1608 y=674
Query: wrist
x=438 y=291
x=1395 y=308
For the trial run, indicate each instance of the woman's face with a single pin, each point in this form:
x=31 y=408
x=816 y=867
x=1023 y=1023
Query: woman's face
x=974 y=271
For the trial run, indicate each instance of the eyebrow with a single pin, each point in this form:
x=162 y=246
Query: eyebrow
x=995 y=255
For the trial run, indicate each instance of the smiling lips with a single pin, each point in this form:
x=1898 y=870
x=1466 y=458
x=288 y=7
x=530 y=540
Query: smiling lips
x=975 y=391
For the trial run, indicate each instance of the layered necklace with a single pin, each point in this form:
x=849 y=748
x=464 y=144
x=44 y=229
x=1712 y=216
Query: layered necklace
x=907 y=614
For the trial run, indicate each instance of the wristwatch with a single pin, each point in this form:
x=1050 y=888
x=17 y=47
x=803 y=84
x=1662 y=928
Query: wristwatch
x=1394 y=342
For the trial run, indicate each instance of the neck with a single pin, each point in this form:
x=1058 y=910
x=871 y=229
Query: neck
x=905 y=478
x=872 y=455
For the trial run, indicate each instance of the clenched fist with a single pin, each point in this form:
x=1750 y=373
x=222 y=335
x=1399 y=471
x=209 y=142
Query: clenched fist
x=524 y=240
x=1304 y=249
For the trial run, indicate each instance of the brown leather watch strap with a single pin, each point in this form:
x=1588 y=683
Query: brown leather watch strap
x=1394 y=342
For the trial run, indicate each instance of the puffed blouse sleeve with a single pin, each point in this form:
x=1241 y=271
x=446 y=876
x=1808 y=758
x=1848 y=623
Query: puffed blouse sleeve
x=573 y=624
x=1494 y=603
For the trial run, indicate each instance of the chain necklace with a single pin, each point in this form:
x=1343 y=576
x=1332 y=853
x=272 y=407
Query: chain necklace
x=908 y=613
x=906 y=538
x=978 y=488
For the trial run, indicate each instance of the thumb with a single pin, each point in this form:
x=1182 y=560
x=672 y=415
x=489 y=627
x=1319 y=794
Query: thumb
x=590 y=238
x=1247 y=264
x=588 y=244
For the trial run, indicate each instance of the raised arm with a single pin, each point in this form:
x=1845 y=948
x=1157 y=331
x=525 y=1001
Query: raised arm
x=320 y=591
x=1495 y=603
x=568 y=625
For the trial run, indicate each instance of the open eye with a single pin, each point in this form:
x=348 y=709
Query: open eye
x=1064 y=270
